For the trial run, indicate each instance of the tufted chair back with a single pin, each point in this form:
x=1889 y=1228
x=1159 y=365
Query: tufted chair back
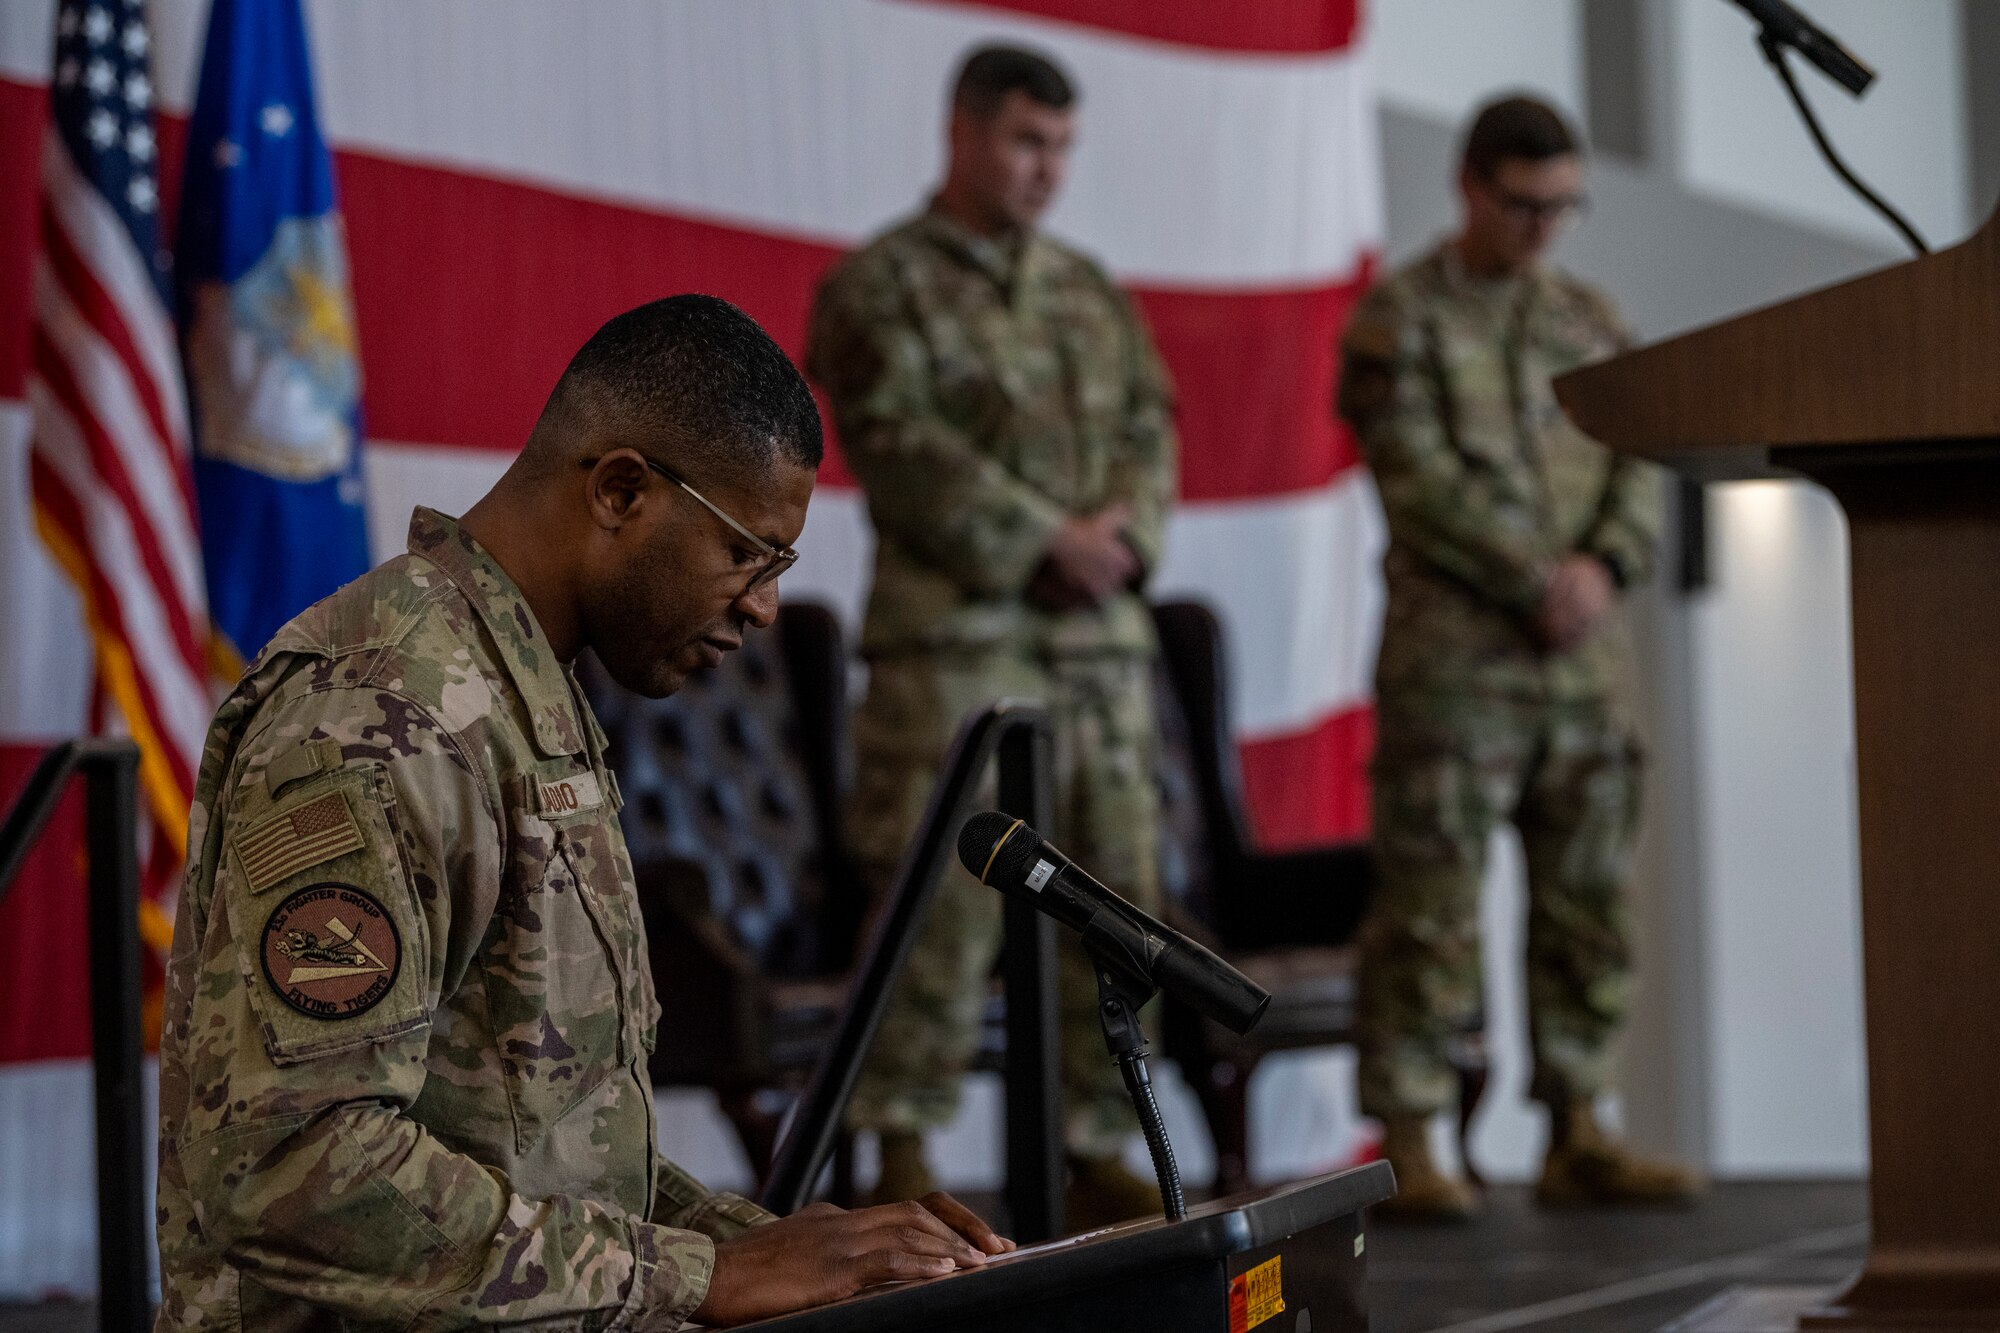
x=710 y=781
x=732 y=812
x=1187 y=860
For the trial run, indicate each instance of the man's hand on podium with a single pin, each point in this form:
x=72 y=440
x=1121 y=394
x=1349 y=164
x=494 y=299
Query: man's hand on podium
x=822 y=1253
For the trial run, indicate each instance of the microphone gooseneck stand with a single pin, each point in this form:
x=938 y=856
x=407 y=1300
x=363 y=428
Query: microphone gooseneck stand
x=1774 y=52
x=1132 y=955
x=1119 y=998
x=1780 y=27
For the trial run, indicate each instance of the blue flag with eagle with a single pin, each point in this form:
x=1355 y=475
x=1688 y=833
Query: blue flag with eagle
x=267 y=331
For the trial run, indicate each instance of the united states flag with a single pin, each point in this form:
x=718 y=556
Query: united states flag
x=109 y=458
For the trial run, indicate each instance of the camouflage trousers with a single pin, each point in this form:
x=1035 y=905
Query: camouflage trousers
x=1106 y=808
x=1448 y=770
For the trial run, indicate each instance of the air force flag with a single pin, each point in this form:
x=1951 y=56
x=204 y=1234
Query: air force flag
x=267 y=330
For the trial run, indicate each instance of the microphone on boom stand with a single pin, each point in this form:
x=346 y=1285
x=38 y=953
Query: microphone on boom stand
x=1134 y=956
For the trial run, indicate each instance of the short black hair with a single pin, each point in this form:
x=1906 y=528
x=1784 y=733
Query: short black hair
x=699 y=375
x=1516 y=127
x=991 y=72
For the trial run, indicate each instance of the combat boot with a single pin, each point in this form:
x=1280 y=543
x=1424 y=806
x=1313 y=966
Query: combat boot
x=1103 y=1191
x=905 y=1174
x=1425 y=1192
x=1585 y=1166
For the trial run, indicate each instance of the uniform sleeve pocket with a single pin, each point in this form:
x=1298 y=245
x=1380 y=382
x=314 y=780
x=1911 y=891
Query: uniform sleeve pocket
x=331 y=943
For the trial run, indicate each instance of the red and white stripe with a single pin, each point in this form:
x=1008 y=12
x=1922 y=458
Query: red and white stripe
x=513 y=173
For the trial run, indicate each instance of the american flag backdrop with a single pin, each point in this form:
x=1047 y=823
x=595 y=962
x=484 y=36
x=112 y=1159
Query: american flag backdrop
x=108 y=460
x=513 y=172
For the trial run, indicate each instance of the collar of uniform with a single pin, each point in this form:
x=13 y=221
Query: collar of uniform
x=1003 y=259
x=543 y=681
x=1457 y=277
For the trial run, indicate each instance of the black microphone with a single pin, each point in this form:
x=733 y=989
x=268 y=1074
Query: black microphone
x=1005 y=853
x=1785 y=24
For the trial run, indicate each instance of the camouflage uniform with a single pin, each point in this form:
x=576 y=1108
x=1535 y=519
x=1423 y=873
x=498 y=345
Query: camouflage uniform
x=1486 y=487
x=403 y=1073
x=985 y=392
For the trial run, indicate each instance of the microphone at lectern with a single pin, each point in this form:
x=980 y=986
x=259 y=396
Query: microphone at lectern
x=1008 y=855
x=1788 y=26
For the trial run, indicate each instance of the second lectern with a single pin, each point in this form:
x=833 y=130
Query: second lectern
x=1886 y=390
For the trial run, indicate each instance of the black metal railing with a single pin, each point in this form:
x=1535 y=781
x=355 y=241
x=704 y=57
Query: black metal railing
x=110 y=770
x=1017 y=735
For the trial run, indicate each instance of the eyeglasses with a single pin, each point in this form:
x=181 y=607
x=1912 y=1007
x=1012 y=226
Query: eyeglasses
x=777 y=559
x=1561 y=210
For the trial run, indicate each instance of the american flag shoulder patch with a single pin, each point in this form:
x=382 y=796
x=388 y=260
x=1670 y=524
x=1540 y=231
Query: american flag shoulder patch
x=283 y=844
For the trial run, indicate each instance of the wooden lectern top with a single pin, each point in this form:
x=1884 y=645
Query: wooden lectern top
x=1902 y=356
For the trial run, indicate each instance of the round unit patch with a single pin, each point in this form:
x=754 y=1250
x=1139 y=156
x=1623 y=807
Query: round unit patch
x=331 y=951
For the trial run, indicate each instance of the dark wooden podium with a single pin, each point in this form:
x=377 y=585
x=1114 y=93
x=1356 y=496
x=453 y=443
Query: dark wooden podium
x=1886 y=390
x=1292 y=1259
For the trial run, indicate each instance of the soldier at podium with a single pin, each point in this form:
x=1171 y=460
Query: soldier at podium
x=403 y=1057
x=1512 y=537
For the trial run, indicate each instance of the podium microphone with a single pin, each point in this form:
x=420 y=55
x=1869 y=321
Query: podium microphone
x=1779 y=26
x=1789 y=27
x=1008 y=855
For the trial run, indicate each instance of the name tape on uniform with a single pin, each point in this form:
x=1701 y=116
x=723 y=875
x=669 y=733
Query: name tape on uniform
x=555 y=797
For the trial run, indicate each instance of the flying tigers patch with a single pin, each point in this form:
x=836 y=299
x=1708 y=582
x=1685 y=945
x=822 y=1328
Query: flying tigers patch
x=331 y=951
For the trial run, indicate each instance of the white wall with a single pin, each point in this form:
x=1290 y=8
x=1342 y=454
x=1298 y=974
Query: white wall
x=1445 y=57
x=1740 y=138
x=1780 y=886
x=1733 y=133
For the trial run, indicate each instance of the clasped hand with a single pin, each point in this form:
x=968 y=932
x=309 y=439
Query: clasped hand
x=1579 y=595
x=1088 y=562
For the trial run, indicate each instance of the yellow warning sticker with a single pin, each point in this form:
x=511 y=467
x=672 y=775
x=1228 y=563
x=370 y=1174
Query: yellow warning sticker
x=1255 y=1296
